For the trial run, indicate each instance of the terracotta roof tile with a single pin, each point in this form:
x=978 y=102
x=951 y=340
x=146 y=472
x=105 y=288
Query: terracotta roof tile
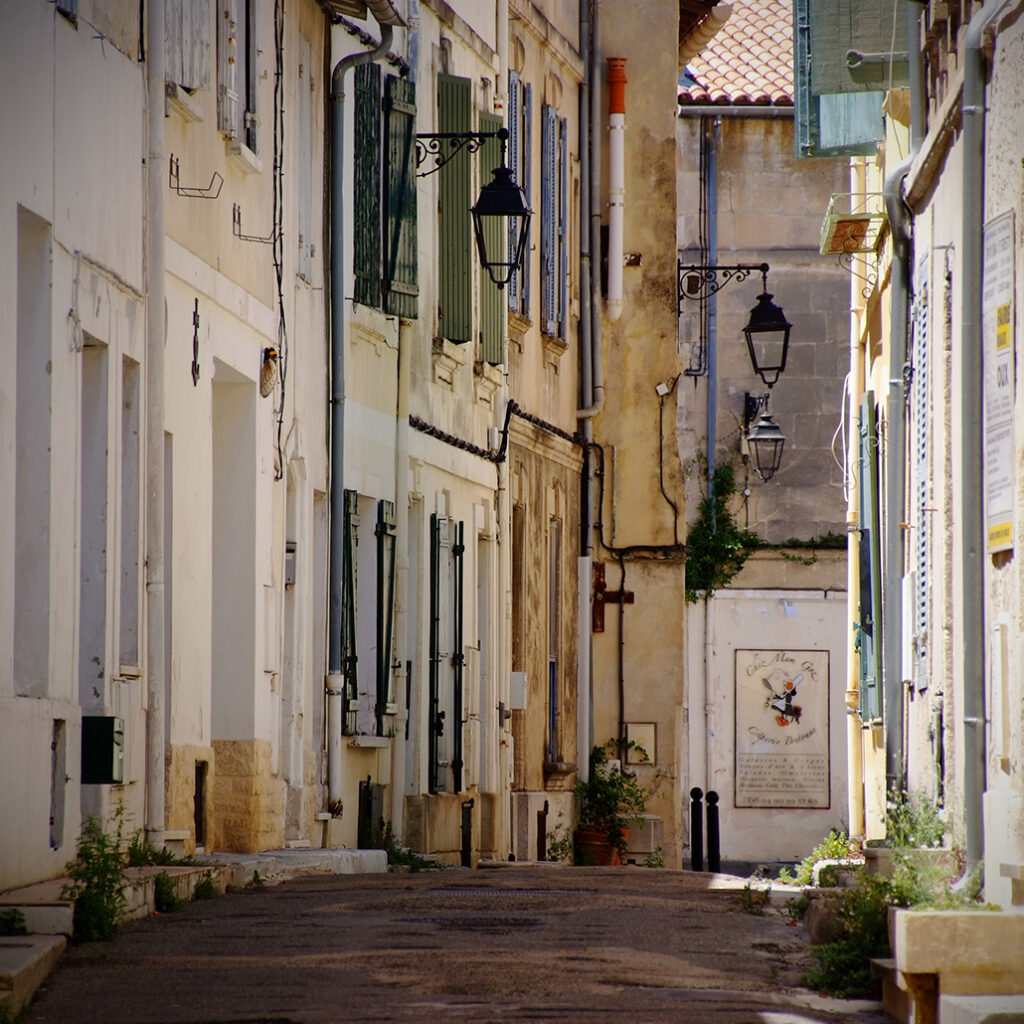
x=748 y=62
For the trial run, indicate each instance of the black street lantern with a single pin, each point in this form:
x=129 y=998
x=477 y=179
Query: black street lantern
x=502 y=202
x=764 y=441
x=767 y=336
x=501 y=199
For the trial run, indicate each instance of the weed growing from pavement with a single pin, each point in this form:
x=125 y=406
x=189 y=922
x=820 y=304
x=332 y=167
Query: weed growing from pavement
x=401 y=856
x=140 y=854
x=560 y=843
x=9 y=1016
x=97 y=880
x=753 y=901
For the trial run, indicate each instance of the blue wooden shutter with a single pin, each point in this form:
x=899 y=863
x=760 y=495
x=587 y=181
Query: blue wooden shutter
x=455 y=284
x=401 y=285
x=870 y=625
x=921 y=465
x=828 y=124
x=385 y=532
x=349 y=659
x=515 y=163
x=366 y=195
x=527 y=147
x=548 y=221
x=492 y=306
x=563 y=230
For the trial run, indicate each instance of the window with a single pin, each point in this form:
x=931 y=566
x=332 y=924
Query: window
x=187 y=44
x=238 y=74
x=553 y=221
x=455 y=295
x=367 y=618
x=554 y=744
x=520 y=110
x=384 y=232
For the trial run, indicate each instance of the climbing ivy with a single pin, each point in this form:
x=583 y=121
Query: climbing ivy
x=716 y=547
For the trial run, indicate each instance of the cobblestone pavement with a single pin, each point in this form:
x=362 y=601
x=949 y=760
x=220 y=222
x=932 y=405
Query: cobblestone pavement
x=524 y=943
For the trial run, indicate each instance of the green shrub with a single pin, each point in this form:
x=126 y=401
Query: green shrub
x=165 y=896
x=835 y=846
x=205 y=887
x=12 y=922
x=914 y=820
x=97 y=881
x=141 y=855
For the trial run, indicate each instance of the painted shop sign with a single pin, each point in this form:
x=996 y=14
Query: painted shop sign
x=782 y=729
x=997 y=334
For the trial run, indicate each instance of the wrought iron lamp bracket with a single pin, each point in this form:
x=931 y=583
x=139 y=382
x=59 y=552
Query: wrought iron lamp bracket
x=442 y=146
x=699 y=283
x=752 y=405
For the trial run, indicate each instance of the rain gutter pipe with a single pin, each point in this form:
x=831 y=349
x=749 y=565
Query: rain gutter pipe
x=584 y=568
x=746 y=112
x=972 y=485
x=335 y=680
x=156 y=329
x=901 y=224
x=616 y=182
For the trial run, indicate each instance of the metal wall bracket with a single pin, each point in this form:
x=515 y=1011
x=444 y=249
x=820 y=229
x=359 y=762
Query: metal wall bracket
x=442 y=146
x=212 y=191
x=236 y=229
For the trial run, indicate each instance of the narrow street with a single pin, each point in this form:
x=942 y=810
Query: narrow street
x=637 y=946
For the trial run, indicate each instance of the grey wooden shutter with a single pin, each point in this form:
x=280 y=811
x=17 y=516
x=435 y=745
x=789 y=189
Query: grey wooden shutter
x=563 y=230
x=458 y=655
x=385 y=533
x=401 y=285
x=492 y=306
x=874 y=29
x=366 y=159
x=548 y=222
x=455 y=295
x=870 y=631
x=349 y=658
x=527 y=141
x=227 y=67
x=187 y=43
x=250 y=117
x=515 y=163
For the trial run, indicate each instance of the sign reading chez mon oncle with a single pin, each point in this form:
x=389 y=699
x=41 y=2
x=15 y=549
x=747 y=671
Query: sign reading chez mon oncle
x=782 y=729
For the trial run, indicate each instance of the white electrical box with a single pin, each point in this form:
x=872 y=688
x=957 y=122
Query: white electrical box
x=517 y=691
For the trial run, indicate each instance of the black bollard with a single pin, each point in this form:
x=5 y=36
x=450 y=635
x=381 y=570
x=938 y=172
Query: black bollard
x=714 y=852
x=467 y=833
x=696 y=830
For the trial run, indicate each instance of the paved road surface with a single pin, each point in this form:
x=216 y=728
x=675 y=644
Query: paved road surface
x=572 y=945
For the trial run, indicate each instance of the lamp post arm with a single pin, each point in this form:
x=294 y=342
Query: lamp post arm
x=442 y=146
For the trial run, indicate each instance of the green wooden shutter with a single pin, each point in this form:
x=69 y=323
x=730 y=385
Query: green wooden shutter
x=385 y=532
x=401 y=286
x=366 y=172
x=832 y=123
x=515 y=163
x=548 y=223
x=492 y=305
x=870 y=626
x=348 y=612
x=455 y=294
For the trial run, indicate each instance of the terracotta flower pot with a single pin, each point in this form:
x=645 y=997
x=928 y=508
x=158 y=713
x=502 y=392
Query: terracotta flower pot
x=593 y=848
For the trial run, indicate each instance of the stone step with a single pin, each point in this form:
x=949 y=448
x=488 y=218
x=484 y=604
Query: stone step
x=25 y=963
x=981 y=1009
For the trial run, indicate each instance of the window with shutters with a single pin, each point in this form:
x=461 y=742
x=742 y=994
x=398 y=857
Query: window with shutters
x=554 y=739
x=520 y=113
x=368 y=602
x=455 y=268
x=446 y=654
x=553 y=221
x=238 y=72
x=306 y=245
x=836 y=114
x=384 y=169
x=869 y=626
x=920 y=482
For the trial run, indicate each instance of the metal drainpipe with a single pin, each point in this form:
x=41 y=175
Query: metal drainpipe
x=616 y=182
x=895 y=479
x=971 y=434
x=335 y=680
x=156 y=330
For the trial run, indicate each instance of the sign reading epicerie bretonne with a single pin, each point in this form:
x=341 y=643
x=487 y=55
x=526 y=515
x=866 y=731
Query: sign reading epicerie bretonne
x=782 y=729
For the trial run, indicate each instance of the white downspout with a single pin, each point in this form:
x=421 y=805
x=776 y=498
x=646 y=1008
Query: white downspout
x=616 y=182
x=155 y=334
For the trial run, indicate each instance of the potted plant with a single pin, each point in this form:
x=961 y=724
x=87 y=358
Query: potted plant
x=610 y=801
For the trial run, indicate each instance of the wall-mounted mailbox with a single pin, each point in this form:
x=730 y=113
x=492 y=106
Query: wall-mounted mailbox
x=102 y=749
x=289 y=563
